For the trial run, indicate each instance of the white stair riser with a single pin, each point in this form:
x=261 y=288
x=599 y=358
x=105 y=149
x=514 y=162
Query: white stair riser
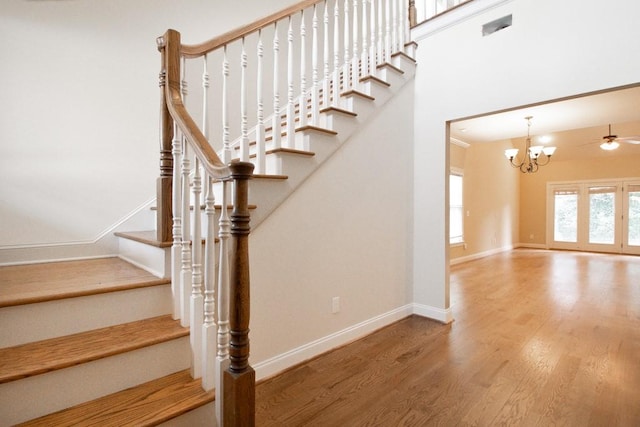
x=291 y=164
x=204 y=416
x=391 y=76
x=42 y=394
x=155 y=260
x=405 y=64
x=342 y=123
x=39 y=321
x=362 y=106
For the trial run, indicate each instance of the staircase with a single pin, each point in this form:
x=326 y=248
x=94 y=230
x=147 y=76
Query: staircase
x=105 y=342
x=68 y=330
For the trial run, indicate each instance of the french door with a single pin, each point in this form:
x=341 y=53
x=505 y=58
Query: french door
x=602 y=216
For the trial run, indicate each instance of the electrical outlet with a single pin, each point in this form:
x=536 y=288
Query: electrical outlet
x=335 y=305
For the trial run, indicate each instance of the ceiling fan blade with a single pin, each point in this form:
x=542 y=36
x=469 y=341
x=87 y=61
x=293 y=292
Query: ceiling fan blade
x=630 y=139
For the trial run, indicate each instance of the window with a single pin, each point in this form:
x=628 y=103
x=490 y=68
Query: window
x=601 y=215
x=456 y=208
x=565 y=218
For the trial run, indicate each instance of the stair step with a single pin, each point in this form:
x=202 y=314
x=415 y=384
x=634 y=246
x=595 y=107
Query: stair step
x=286 y=151
x=32 y=283
x=148 y=404
x=57 y=353
x=148 y=237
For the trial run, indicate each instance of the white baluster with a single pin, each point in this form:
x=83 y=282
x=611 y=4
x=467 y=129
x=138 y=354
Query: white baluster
x=222 y=358
x=372 y=47
x=226 y=141
x=431 y=9
x=315 y=107
x=380 y=38
x=394 y=27
x=244 y=119
x=209 y=332
x=326 y=101
x=380 y=42
x=403 y=23
x=355 y=66
x=260 y=139
x=185 y=278
x=176 y=202
x=186 y=229
x=336 y=54
x=387 y=31
x=346 y=75
x=303 y=70
x=197 y=299
x=365 y=39
x=290 y=99
x=277 y=116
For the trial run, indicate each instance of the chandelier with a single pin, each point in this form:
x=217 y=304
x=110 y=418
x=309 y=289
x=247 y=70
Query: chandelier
x=534 y=156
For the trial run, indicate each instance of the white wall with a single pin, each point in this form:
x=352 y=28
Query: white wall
x=79 y=114
x=552 y=50
x=346 y=232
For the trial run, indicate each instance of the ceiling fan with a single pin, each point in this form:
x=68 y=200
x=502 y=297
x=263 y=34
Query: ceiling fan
x=610 y=142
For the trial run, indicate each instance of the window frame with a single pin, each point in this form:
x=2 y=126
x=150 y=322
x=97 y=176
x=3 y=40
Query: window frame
x=458 y=240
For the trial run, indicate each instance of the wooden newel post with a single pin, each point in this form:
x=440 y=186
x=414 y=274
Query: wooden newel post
x=164 y=215
x=412 y=14
x=239 y=378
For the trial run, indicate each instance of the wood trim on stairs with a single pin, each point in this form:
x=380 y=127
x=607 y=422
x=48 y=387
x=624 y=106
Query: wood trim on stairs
x=33 y=283
x=148 y=404
x=57 y=353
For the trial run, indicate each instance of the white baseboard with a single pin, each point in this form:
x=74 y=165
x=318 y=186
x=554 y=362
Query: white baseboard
x=479 y=255
x=279 y=363
x=435 y=313
x=531 y=245
x=105 y=244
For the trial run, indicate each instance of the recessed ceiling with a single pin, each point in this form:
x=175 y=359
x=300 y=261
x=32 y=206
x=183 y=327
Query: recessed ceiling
x=576 y=125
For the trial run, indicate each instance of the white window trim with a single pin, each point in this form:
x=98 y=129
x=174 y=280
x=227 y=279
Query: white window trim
x=458 y=241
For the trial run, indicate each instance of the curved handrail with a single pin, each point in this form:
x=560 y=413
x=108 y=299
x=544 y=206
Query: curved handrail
x=170 y=43
x=197 y=50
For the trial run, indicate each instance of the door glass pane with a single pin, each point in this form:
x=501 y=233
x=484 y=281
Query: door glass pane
x=634 y=215
x=565 y=223
x=455 y=209
x=602 y=211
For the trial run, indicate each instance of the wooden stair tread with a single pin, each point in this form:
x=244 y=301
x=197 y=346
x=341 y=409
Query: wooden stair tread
x=148 y=404
x=26 y=284
x=391 y=67
x=56 y=353
x=266 y=176
x=404 y=55
x=148 y=237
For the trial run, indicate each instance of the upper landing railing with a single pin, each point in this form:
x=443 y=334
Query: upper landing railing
x=423 y=10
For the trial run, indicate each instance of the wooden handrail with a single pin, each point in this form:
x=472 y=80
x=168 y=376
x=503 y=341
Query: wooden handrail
x=170 y=44
x=197 y=50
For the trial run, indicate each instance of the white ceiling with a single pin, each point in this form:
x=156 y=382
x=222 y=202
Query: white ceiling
x=576 y=126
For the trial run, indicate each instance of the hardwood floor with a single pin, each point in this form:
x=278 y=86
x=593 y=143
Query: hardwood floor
x=539 y=338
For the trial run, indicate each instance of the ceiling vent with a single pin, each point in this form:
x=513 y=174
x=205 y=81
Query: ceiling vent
x=497 y=25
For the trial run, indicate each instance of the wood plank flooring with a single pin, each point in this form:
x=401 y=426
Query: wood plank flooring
x=540 y=338
x=25 y=284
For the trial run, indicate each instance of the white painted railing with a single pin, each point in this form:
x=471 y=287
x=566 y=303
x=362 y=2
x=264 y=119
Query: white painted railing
x=427 y=9
x=315 y=51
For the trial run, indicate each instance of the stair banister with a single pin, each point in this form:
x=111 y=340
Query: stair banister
x=239 y=383
x=364 y=36
x=197 y=50
x=170 y=43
